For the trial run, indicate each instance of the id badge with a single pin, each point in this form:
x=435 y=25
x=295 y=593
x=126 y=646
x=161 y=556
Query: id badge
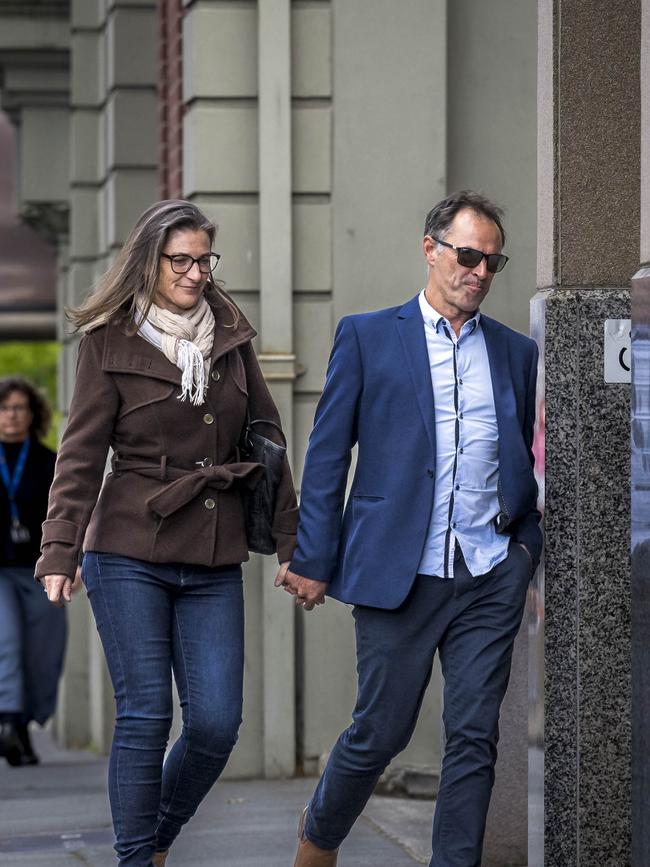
x=19 y=533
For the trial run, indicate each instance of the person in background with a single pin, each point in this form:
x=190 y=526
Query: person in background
x=32 y=632
x=167 y=378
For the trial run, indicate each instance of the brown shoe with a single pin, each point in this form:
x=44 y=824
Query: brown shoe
x=310 y=855
x=159 y=859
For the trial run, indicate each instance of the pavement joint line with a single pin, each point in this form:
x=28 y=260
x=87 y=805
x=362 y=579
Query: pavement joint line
x=68 y=841
x=419 y=859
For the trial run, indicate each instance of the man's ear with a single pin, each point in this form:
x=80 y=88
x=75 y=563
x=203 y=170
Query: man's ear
x=429 y=248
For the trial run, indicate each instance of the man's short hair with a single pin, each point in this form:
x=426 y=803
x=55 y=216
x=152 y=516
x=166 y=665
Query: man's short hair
x=441 y=216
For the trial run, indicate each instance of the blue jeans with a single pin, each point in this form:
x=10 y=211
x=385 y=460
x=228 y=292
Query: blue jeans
x=32 y=645
x=472 y=622
x=154 y=619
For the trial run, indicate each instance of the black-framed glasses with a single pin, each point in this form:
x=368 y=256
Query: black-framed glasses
x=468 y=257
x=182 y=262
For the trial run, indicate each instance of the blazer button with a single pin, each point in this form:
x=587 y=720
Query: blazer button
x=430 y=473
x=208 y=418
x=215 y=376
x=209 y=503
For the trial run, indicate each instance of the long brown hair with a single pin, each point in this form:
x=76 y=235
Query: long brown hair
x=134 y=274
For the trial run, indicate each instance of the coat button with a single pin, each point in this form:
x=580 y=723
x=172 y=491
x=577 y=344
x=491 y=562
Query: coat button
x=215 y=376
x=207 y=462
x=208 y=418
x=209 y=503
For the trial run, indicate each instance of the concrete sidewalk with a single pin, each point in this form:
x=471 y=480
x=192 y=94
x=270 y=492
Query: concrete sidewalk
x=57 y=815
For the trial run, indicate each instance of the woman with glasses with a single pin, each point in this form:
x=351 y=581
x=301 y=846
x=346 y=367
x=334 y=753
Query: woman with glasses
x=32 y=632
x=166 y=378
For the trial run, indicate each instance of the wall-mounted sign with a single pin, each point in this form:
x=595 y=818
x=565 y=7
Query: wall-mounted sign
x=618 y=350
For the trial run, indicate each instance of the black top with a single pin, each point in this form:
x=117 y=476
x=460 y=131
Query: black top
x=31 y=498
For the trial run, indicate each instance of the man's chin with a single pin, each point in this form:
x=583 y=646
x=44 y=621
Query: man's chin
x=472 y=300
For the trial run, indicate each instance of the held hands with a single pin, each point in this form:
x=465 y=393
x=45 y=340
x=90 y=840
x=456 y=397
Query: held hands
x=59 y=588
x=307 y=592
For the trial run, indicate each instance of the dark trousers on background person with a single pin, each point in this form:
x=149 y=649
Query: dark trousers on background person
x=152 y=619
x=32 y=645
x=472 y=622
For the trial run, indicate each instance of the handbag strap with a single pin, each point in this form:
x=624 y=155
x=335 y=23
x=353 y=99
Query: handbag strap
x=251 y=422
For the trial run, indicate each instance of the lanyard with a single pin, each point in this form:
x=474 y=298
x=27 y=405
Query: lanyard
x=11 y=482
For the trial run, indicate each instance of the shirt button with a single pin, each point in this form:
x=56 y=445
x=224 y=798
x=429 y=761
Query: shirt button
x=215 y=376
x=209 y=503
x=458 y=487
x=460 y=382
x=208 y=418
x=462 y=451
x=454 y=525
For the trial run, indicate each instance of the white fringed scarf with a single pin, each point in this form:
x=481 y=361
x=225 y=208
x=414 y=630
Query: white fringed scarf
x=186 y=340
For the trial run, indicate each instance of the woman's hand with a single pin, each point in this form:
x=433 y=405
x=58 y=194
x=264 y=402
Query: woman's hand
x=58 y=589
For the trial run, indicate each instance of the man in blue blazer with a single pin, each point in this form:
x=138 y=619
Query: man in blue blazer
x=440 y=533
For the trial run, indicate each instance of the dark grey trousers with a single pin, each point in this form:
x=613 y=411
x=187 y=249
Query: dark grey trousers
x=472 y=622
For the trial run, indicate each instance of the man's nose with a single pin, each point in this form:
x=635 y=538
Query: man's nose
x=481 y=269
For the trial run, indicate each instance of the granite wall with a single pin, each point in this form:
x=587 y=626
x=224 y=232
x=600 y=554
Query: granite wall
x=589 y=172
x=640 y=567
x=587 y=691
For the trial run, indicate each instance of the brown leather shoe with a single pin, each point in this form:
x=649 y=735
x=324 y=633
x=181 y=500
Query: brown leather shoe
x=159 y=858
x=310 y=855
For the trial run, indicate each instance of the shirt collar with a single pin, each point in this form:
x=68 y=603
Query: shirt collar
x=437 y=321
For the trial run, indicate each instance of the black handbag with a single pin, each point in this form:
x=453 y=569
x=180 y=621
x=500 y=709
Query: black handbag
x=259 y=501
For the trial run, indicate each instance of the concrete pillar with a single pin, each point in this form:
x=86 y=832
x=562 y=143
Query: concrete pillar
x=588 y=249
x=501 y=163
x=276 y=356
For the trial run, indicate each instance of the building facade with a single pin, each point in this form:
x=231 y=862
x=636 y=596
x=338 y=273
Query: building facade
x=316 y=133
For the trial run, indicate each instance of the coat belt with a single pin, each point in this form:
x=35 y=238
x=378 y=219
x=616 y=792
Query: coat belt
x=184 y=485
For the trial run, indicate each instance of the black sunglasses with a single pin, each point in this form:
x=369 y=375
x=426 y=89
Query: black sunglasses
x=468 y=257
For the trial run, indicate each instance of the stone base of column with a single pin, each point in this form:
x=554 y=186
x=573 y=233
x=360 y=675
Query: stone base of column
x=585 y=606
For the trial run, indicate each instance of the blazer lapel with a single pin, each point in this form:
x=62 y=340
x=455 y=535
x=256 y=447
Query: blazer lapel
x=499 y=358
x=410 y=328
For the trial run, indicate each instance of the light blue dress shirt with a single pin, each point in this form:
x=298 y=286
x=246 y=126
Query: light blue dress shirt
x=467 y=450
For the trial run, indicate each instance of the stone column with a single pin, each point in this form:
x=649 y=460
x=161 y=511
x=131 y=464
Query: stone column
x=588 y=249
x=641 y=487
x=276 y=357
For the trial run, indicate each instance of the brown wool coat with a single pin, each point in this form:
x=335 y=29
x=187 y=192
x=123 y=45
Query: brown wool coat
x=174 y=493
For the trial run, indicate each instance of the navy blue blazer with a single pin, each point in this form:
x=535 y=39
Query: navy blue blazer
x=378 y=395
